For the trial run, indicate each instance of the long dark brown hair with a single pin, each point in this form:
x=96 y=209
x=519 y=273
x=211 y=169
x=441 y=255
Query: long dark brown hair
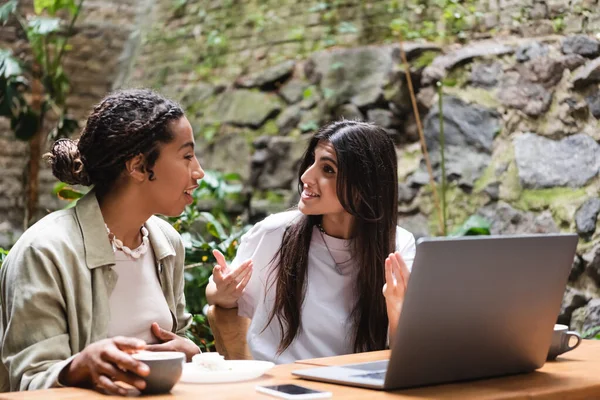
x=367 y=187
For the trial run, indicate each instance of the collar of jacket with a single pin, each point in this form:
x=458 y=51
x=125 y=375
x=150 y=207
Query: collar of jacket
x=98 y=250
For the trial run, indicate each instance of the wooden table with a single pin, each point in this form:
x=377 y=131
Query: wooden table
x=575 y=375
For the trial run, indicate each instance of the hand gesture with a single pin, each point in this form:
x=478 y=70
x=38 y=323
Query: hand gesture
x=396 y=281
x=230 y=284
x=170 y=341
x=106 y=361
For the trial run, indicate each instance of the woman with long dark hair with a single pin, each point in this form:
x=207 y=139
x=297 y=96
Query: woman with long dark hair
x=85 y=287
x=311 y=279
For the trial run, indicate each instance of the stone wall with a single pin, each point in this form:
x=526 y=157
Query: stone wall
x=101 y=43
x=195 y=48
x=219 y=40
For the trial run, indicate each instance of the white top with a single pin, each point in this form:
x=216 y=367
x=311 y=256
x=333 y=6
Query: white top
x=137 y=299
x=326 y=327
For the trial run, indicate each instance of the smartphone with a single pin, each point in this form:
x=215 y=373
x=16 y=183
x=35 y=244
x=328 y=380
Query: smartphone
x=293 y=392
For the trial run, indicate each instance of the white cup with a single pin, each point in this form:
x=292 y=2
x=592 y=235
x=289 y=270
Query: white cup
x=561 y=341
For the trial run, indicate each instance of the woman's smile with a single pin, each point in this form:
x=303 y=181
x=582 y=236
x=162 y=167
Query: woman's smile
x=308 y=194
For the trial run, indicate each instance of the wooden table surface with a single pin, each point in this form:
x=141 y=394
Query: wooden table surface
x=575 y=375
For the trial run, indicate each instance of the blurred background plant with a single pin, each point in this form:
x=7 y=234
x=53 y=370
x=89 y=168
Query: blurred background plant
x=33 y=90
x=3 y=254
x=202 y=232
x=592 y=333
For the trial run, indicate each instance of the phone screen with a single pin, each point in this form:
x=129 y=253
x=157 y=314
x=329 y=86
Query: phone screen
x=292 y=389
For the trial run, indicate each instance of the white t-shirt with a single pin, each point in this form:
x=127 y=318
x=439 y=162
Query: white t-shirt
x=326 y=327
x=137 y=299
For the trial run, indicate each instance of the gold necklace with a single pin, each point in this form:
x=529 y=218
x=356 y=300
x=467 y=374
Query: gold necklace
x=337 y=267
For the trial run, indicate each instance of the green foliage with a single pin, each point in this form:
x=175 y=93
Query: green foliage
x=308 y=92
x=12 y=101
x=53 y=6
x=65 y=192
x=3 y=254
x=473 y=226
x=42 y=26
x=6 y=10
x=559 y=24
x=309 y=126
x=425 y=59
x=179 y=7
x=455 y=14
x=48 y=43
x=202 y=232
x=296 y=33
x=592 y=333
x=209 y=132
x=215 y=46
x=432 y=20
x=347 y=27
x=322 y=6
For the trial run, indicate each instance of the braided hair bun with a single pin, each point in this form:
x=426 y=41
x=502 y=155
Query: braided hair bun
x=65 y=160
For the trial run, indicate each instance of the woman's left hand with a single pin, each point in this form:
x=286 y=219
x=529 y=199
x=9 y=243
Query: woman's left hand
x=396 y=281
x=172 y=342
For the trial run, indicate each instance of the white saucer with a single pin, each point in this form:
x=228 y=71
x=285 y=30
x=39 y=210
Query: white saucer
x=238 y=370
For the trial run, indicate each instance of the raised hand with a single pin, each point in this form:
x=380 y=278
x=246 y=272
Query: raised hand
x=170 y=341
x=106 y=361
x=394 y=290
x=230 y=284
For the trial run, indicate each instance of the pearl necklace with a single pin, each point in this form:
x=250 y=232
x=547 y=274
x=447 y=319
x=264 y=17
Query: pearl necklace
x=118 y=244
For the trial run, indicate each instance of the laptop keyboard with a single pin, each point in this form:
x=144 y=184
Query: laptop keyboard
x=373 y=375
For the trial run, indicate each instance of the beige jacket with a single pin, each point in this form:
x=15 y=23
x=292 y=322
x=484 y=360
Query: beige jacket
x=55 y=285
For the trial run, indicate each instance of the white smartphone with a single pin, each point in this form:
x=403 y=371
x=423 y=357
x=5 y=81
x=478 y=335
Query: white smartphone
x=293 y=392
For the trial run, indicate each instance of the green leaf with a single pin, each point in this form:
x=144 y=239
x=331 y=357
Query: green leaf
x=9 y=65
x=25 y=125
x=3 y=254
x=591 y=333
x=11 y=99
x=53 y=6
x=308 y=92
x=43 y=26
x=213 y=226
x=7 y=95
x=64 y=127
x=6 y=10
x=474 y=225
x=232 y=176
x=211 y=179
x=68 y=193
x=58 y=187
x=347 y=27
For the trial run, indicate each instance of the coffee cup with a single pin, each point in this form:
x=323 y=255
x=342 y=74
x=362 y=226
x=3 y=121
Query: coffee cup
x=165 y=369
x=561 y=341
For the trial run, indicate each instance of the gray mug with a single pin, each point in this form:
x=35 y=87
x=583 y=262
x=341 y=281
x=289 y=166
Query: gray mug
x=166 y=368
x=561 y=339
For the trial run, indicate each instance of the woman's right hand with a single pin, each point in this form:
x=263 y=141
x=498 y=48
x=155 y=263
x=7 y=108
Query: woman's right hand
x=106 y=361
x=230 y=284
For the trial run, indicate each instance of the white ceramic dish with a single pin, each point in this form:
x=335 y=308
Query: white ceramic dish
x=238 y=371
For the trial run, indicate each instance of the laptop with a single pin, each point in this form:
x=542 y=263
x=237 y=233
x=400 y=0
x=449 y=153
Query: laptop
x=475 y=307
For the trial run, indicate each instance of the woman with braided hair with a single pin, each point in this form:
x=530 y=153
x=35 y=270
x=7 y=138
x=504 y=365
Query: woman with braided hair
x=85 y=287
